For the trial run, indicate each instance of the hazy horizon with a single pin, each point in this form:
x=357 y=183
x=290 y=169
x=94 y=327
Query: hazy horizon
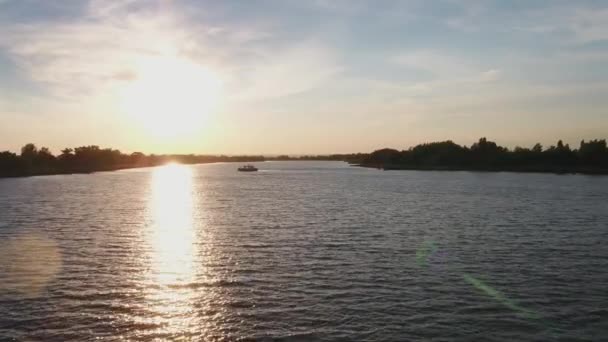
x=294 y=77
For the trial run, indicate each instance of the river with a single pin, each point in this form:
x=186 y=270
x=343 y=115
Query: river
x=303 y=251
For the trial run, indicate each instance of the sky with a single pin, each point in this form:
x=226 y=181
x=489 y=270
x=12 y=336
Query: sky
x=300 y=77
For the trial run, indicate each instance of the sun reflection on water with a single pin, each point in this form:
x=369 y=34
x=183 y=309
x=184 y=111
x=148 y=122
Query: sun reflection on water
x=172 y=238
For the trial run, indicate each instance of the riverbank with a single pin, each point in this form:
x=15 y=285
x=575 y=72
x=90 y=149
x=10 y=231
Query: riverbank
x=540 y=169
x=590 y=158
x=89 y=171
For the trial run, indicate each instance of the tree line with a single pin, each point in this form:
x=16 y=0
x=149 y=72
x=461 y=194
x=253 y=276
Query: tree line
x=85 y=159
x=34 y=161
x=590 y=157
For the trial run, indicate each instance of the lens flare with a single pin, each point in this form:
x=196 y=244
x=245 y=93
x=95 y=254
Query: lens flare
x=29 y=263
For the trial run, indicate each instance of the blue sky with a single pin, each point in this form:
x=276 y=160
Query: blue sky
x=292 y=76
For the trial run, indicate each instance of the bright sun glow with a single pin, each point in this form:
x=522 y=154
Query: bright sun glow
x=172 y=238
x=170 y=96
x=172 y=213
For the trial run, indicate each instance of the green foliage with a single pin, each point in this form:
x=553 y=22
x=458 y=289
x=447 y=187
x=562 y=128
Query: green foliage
x=11 y=165
x=594 y=152
x=591 y=157
x=85 y=159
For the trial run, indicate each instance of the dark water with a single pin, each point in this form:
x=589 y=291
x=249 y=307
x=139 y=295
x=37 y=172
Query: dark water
x=304 y=251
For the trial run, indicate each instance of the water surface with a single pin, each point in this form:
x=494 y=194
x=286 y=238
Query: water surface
x=304 y=251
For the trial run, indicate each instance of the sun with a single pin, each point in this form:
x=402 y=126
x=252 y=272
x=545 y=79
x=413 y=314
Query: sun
x=171 y=97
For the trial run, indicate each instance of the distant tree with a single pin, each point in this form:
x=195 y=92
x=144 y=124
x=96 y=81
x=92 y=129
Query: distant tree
x=593 y=152
x=67 y=152
x=559 y=155
x=45 y=161
x=11 y=165
x=29 y=151
x=137 y=158
x=444 y=153
x=385 y=156
x=486 y=153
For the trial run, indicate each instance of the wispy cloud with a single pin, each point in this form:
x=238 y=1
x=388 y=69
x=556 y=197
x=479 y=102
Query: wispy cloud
x=294 y=70
x=572 y=22
x=78 y=57
x=347 y=63
x=445 y=70
x=490 y=75
x=438 y=63
x=589 y=25
x=87 y=55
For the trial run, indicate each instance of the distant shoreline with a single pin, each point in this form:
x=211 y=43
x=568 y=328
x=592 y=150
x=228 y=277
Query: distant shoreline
x=591 y=157
x=514 y=170
x=90 y=159
x=157 y=165
x=598 y=172
x=84 y=172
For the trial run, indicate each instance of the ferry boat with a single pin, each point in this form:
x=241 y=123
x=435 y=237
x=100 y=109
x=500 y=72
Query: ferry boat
x=247 y=168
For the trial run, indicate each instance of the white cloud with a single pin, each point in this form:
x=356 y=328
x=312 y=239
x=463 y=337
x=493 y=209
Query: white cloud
x=440 y=64
x=572 y=23
x=589 y=25
x=288 y=72
x=88 y=55
x=471 y=19
x=490 y=75
x=80 y=57
x=448 y=71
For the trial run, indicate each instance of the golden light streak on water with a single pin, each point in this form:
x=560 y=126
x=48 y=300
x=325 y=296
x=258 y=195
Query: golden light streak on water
x=172 y=238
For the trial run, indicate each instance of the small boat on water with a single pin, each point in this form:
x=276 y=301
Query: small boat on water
x=247 y=168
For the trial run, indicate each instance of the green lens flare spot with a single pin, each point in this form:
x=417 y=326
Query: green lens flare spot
x=424 y=252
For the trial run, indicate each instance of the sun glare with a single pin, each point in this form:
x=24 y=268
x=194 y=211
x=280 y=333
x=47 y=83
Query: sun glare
x=172 y=237
x=171 y=96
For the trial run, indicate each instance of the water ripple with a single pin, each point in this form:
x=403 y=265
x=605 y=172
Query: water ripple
x=303 y=251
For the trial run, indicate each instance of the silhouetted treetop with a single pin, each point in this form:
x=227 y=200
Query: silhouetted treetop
x=85 y=159
x=591 y=157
